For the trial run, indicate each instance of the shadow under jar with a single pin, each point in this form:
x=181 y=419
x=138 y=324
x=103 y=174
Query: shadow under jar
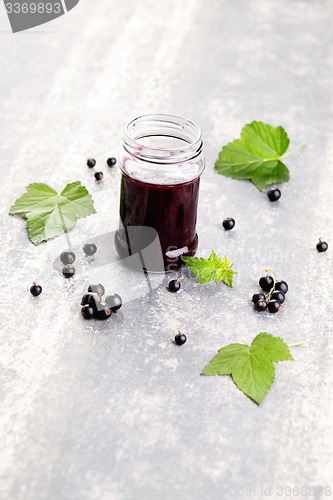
x=161 y=160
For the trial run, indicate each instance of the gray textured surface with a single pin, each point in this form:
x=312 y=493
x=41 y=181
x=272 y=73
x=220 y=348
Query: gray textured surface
x=115 y=410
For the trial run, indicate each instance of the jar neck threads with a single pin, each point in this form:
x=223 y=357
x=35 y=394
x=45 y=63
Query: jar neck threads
x=162 y=139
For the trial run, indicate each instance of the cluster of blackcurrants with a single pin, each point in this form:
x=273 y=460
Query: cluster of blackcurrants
x=68 y=258
x=97 y=305
x=111 y=162
x=274 y=296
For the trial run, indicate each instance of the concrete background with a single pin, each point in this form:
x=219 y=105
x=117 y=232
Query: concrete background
x=115 y=410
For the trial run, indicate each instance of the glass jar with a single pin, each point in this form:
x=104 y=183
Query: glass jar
x=161 y=160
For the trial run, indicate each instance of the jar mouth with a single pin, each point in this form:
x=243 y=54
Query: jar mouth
x=163 y=138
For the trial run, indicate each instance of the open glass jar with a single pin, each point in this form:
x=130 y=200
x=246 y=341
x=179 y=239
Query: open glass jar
x=161 y=160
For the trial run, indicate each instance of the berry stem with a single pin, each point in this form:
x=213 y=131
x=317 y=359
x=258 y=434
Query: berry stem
x=293 y=151
x=269 y=294
x=297 y=344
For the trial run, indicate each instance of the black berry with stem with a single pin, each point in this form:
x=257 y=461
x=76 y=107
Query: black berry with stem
x=174 y=285
x=322 y=246
x=114 y=301
x=87 y=312
x=261 y=305
x=274 y=194
x=36 y=290
x=99 y=176
x=97 y=289
x=111 y=161
x=68 y=272
x=67 y=257
x=180 y=338
x=91 y=162
x=273 y=306
x=266 y=283
x=258 y=296
x=228 y=223
x=279 y=296
x=90 y=249
x=103 y=312
x=282 y=286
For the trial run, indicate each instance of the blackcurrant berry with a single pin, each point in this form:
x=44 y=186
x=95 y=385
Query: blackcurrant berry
x=266 y=283
x=261 y=305
x=85 y=299
x=113 y=300
x=282 y=285
x=180 y=338
x=274 y=194
x=322 y=246
x=68 y=271
x=174 y=285
x=90 y=249
x=278 y=295
x=228 y=223
x=258 y=296
x=67 y=257
x=91 y=162
x=99 y=176
x=95 y=301
x=97 y=289
x=273 y=306
x=111 y=162
x=103 y=312
x=36 y=290
x=87 y=312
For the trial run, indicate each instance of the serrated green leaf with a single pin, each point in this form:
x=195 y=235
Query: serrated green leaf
x=50 y=214
x=256 y=155
x=212 y=269
x=251 y=367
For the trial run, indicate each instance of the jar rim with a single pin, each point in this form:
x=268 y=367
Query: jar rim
x=185 y=129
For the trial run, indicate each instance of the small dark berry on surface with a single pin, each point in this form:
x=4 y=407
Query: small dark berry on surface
x=180 y=338
x=228 y=223
x=278 y=295
x=36 y=290
x=68 y=272
x=261 y=305
x=94 y=300
x=266 y=283
x=258 y=296
x=322 y=246
x=274 y=194
x=111 y=162
x=91 y=163
x=97 y=289
x=67 y=257
x=282 y=285
x=90 y=249
x=99 y=176
x=87 y=312
x=273 y=306
x=114 y=301
x=85 y=299
x=174 y=285
x=103 y=312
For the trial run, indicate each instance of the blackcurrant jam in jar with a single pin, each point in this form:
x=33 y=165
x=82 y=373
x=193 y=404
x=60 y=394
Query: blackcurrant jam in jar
x=161 y=160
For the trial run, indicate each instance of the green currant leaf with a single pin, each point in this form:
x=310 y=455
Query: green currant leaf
x=251 y=367
x=212 y=269
x=256 y=155
x=50 y=214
